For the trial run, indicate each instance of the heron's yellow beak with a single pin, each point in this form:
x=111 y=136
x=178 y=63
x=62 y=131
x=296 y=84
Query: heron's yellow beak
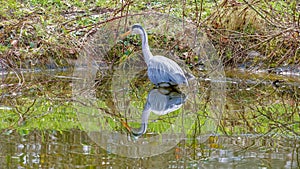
x=125 y=34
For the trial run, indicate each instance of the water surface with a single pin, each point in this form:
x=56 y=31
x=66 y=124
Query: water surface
x=259 y=127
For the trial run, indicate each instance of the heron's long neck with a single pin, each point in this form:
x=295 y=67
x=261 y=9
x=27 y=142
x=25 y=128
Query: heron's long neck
x=145 y=47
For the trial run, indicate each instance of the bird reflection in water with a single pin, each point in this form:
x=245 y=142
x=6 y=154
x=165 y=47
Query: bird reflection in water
x=160 y=101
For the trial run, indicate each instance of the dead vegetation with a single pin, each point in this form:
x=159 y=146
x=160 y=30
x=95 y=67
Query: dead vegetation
x=258 y=32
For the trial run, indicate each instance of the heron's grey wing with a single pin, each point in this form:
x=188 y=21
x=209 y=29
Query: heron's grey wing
x=164 y=70
x=157 y=76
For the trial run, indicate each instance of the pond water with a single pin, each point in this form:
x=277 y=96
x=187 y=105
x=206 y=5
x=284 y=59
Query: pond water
x=74 y=149
x=258 y=127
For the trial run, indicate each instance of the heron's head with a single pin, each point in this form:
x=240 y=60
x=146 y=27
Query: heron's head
x=135 y=29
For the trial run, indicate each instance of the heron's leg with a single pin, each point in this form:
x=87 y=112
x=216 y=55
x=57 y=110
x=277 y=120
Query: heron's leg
x=164 y=84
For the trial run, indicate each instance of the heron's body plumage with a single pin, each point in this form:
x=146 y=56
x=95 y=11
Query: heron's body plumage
x=164 y=71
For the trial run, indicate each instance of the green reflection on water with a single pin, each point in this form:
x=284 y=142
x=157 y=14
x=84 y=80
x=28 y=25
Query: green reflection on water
x=253 y=105
x=260 y=124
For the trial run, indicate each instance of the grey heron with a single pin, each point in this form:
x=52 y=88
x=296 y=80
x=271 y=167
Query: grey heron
x=162 y=71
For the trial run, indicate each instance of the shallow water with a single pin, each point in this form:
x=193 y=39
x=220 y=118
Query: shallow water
x=74 y=149
x=258 y=127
